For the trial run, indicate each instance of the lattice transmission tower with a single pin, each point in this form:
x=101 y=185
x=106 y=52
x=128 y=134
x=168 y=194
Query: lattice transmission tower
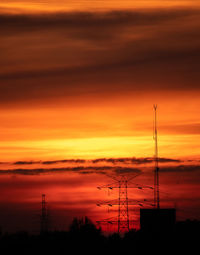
x=44 y=216
x=122 y=183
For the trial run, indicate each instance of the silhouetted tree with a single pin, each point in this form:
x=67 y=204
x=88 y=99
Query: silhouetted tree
x=84 y=227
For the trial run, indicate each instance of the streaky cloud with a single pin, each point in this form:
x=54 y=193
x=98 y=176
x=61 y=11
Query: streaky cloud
x=128 y=160
x=181 y=169
x=81 y=169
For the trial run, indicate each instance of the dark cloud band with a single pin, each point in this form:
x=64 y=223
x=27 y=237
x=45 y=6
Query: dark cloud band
x=100 y=160
x=103 y=53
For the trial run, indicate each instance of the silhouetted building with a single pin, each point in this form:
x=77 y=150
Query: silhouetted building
x=157 y=220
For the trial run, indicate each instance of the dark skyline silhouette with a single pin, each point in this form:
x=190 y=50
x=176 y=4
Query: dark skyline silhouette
x=78 y=82
x=84 y=237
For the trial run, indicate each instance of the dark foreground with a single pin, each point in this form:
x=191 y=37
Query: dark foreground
x=84 y=238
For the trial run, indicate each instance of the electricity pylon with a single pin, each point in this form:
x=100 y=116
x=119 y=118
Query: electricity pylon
x=122 y=184
x=44 y=215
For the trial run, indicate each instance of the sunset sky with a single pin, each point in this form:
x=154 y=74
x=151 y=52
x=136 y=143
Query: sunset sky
x=78 y=81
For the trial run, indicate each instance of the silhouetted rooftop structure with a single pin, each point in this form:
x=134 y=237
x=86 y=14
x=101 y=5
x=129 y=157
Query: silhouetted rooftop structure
x=157 y=220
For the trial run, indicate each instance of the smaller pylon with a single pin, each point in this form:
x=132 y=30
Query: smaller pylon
x=44 y=215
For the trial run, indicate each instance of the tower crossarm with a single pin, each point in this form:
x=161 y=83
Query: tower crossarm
x=131 y=185
x=108 y=203
x=139 y=186
x=109 y=186
x=130 y=202
x=112 y=220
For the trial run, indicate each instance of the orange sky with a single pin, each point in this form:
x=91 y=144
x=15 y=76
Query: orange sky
x=69 y=89
x=78 y=80
x=71 y=5
x=104 y=129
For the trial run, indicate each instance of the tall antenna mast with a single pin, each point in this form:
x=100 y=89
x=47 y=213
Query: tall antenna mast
x=156 y=174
